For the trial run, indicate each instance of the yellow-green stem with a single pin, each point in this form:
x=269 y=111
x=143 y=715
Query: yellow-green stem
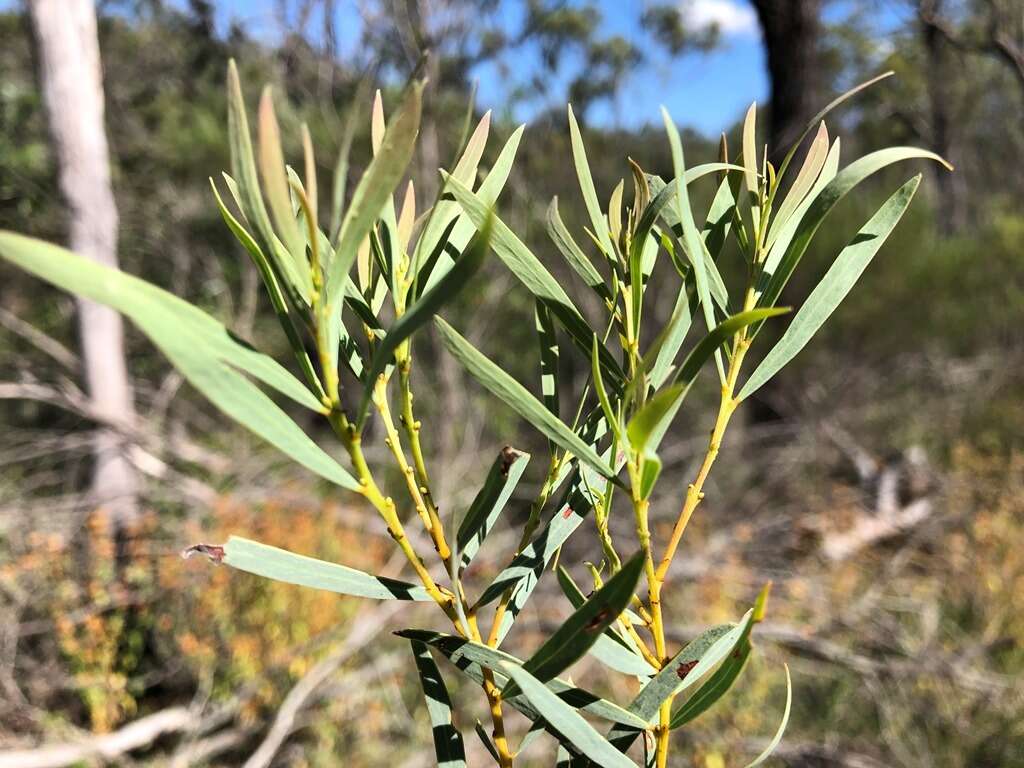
x=385 y=506
x=412 y=430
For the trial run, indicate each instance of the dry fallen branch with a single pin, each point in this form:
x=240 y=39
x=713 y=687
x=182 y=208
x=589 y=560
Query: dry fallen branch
x=872 y=530
x=106 y=747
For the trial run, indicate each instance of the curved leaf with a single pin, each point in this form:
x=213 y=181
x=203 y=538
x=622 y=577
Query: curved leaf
x=848 y=178
x=782 y=726
x=580 y=631
x=566 y=720
x=282 y=565
x=247 y=186
x=374 y=190
x=206 y=354
x=448 y=745
x=586 y=182
x=419 y=313
x=834 y=286
x=517 y=397
x=489 y=502
x=691 y=237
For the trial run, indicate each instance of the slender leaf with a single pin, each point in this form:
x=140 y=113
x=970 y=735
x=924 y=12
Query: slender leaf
x=448 y=745
x=834 y=286
x=282 y=565
x=471 y=658
x=567 y=721
x=750 y=164
x=602 y=394
x=275 y=183
x=374 y=190
x=247 y=185
x=460 y=229
x=586 y=181
x=518 y=398
x=204 y=352
x=567 y=246
x=824 y=113
x=613 y=649
x=425 y=308
x=822 y=205
x=446 y=211
x=277 y=297
x=489 y=502
x=527 y=268
x=782 y=726
x=580 y=631
x=691 y=237
x=676 y=331
x=803 y=183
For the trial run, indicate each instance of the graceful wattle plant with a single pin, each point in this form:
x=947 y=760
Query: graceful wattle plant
x=351 y=291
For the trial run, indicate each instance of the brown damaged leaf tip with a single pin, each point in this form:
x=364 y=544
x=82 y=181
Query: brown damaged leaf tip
x=508 y=458
x=213 y=551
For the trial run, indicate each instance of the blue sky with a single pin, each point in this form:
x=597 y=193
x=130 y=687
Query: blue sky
x=705 y=91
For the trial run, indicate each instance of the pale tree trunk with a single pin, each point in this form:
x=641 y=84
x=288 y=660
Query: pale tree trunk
x=71 y=81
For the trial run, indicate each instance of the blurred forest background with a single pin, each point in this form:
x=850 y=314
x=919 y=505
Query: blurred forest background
x=879 y=482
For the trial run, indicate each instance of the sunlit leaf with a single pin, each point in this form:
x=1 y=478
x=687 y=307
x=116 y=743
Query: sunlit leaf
x=834 y=286
x=803 y=183
x=448 y=745
x=282 y=565
x=574 y=637
x=489 y=502
x=772 y=283
x=206 y=354
x=579 y=155
x=567 y=721
x=517 y=397
x=782 y=726
x=373 y=191
x=470 y=658
x=247 y=186
x=425 y=308
x=691 y=237
x=275 y=182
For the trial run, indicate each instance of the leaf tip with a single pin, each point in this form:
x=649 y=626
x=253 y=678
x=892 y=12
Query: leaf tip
x=215 y=552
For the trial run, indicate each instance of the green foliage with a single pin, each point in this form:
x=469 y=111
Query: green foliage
x=406 y=271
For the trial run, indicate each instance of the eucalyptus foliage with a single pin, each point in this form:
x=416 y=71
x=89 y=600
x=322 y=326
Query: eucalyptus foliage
x=359 y=291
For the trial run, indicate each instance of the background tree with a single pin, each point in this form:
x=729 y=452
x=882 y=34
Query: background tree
x=71 y=82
